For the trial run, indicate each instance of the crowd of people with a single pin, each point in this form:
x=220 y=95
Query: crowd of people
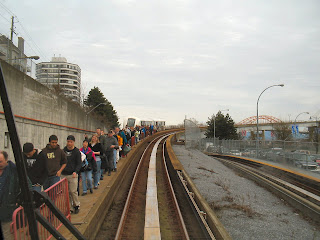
x=98 y=156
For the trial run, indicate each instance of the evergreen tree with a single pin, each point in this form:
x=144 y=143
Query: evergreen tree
x=106 y=112
x=225 y=128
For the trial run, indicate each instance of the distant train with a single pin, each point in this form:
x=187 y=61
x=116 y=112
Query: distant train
x=134 y=121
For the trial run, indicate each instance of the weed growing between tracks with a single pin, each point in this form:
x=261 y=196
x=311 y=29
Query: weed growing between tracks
x=246 y=209
x=224 y=184
x=203 y=168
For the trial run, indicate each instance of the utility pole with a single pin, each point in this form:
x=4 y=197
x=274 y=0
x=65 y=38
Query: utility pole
x=11 y=39
x=12 y=28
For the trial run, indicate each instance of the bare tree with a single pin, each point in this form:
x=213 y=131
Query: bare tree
x=282 y=131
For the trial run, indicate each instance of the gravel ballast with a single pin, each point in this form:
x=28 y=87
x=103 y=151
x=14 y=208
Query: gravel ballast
x=247 y=210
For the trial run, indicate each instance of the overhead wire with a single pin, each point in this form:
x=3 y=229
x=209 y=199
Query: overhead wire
x=30 y=38
x=25 y=31
x=7 y=9
x=4 y=18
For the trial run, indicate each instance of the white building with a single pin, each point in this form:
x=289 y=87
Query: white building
x=60 y=73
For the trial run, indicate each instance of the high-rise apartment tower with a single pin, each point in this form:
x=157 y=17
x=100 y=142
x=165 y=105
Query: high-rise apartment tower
x=60 y=73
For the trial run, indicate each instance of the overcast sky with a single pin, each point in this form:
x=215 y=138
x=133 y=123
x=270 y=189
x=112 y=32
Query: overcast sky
x=171 y=58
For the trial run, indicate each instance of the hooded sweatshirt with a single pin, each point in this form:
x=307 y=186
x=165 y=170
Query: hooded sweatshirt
x=36 y=166
x=56 y=158
x=73 y=161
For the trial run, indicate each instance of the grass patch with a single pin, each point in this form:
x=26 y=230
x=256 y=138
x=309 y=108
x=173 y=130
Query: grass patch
x=225 y=186
x=246 y=209
x=205 y=169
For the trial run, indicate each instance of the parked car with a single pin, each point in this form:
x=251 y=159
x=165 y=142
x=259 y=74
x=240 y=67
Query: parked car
x=302 y=151
x=249 y=152
x=315 y=157
x=309 y=164
x=304 y=161
x=211 y=148
x=235 y=152
x=275 y=154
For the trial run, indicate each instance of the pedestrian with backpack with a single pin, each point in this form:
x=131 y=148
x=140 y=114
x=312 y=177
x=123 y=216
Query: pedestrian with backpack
x=88 y=167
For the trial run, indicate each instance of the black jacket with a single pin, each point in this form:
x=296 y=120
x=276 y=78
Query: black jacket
x=96 y=148
x=37 y=167
x=73 y=161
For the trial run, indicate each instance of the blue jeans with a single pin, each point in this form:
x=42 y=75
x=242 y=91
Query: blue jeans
x=86 y=178
x=50 y=181
x=97 y=175
x=36 y=188
x=114 y=158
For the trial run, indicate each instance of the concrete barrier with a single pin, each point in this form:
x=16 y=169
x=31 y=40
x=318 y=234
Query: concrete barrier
x=214 y=223
x=39 y=113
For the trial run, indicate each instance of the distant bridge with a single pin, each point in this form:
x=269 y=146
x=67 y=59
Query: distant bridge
x=263 y=118
x=268 y=123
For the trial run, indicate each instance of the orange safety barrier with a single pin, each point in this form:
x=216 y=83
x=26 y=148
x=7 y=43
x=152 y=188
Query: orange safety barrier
x=60 y=196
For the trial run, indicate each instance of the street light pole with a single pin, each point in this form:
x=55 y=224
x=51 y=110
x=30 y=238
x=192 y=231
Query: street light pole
x=257 y=136
x=31 y=57
x=95 y=107
x=295 y=121
x=316 y=132
x=103 y=103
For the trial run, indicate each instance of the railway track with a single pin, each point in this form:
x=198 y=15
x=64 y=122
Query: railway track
x=302 y=196
x=159 y=214
x=153 y=203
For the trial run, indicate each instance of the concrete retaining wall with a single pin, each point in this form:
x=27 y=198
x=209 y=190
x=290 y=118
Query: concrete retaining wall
x=41 y=113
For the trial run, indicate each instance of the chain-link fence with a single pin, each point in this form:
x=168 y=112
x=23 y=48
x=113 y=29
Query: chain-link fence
x=296 y=153
x=192 y=134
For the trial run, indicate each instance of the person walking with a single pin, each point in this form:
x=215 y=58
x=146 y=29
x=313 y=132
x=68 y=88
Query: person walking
x=97 y=150
x=36 y=166
x=136 y=136
x=111 y=144
x=120 y=143
x=70 y=172
x=56 y=161
x=102 y=140
x=124 y=140
x=115 y=152
x=89 y=165
x=9 y=190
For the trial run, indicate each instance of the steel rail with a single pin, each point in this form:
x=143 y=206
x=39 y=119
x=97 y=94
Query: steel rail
x=307 y=207
x=200 y=213
x=126 y=207
x=291 y=187
x=173 y=196
x=286 y=175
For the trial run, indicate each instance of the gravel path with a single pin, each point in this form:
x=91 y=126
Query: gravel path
x=247 y=210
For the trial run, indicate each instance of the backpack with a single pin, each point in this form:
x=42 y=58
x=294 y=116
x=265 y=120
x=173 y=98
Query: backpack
x=85 y=163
